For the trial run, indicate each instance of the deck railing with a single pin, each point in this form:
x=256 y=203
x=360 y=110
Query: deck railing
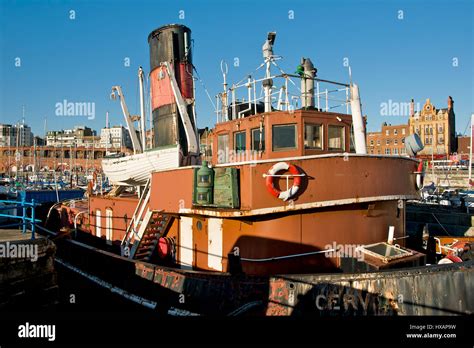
x=329 y=96
x=25 y=219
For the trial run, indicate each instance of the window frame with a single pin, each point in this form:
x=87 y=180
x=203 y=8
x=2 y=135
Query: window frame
x=244 y=132
x=321 y=134
x=226 y=158
x=343 y=137
x=252 y=139
x=280 y=149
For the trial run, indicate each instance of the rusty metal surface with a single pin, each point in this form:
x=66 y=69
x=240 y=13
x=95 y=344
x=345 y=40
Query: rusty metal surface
x=336 y=180
x=433 y=290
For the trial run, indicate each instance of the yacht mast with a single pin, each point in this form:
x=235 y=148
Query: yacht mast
x=470 y=150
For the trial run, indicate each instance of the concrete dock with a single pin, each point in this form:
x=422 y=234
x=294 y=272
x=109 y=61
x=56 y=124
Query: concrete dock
x=27 y=274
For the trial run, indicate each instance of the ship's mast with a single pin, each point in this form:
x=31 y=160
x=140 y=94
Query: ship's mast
x=142 y=108
x=225 y=99
x=470 y=149
x=128 y=118
x=268 y=82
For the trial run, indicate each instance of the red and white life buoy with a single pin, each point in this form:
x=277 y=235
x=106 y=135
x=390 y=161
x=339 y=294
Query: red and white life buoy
x=453 y=254
x=290 y=192
x=420 y=175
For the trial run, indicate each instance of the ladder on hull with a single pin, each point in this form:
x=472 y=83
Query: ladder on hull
x=145 y=228
x=155 y=227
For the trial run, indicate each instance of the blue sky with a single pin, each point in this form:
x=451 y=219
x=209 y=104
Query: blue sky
x=80 y=59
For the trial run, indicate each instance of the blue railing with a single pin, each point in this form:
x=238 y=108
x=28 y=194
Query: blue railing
x=25 y=220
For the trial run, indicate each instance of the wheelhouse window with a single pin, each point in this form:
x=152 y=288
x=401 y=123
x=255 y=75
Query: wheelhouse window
x=336 y=139
x=258 y=139
x=223 y=148
x=284 y=137
x=313 y=136
x=240 y=142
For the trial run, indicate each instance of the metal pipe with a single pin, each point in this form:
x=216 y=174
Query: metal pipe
x=151 y=116
x=142 y=108
x=217 y=109
x=255 y=96
x=23 y=220
x=33 y=224
x=307 y=83
x=358 y=122
x=327 y=102
x=267 y=88
x=75 y=221
x=280 y=95
x=249 y=86
x=225 y=101
x=233 y=103
x=347 y=100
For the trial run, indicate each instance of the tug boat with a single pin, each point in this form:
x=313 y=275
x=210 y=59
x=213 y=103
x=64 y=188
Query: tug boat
x=287 y=216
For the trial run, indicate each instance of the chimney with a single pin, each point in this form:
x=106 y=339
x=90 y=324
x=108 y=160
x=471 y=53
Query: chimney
x=307 y=83
x=450 y=103
x=412 y=107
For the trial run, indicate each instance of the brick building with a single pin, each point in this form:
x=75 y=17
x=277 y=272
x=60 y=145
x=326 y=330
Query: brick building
x=436 y=128
x=464 y=144
x=389 y=141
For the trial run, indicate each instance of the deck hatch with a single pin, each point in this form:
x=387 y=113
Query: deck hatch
x=385 y=251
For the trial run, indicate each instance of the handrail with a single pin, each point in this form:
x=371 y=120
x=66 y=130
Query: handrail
x=24 y=217
x=139 y=209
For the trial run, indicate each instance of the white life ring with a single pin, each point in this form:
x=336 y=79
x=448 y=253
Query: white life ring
x=283 y=166
x=420 y=175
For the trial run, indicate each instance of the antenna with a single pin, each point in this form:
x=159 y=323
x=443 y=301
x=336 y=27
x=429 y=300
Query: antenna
x=224 y=67
x=224 y=70
x=350 y=75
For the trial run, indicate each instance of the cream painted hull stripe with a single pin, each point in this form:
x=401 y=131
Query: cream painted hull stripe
x=286 y=208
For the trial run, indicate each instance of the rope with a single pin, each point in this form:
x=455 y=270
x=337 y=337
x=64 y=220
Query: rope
x=244 y=308
x=440 y=224
x=205 y=89
x=288 y=256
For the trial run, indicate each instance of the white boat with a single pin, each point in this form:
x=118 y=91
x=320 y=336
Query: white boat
x=134 y=170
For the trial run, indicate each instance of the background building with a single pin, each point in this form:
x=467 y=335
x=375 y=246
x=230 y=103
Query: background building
x=15 y=135
x=7 y=135
x=69 y=137
x=436 y=128
x=464 y=144
x=115 y=138
x=390 y=141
